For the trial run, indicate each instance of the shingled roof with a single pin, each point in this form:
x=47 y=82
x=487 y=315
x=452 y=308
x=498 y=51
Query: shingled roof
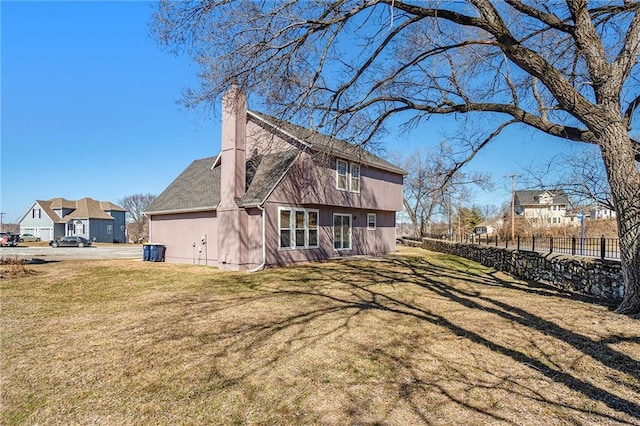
x=196 y=188
x=85 y=208
x=532 y=197
x=327 y=144
x=269 y=170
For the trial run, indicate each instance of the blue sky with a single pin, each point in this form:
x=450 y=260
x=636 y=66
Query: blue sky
x=89 y=109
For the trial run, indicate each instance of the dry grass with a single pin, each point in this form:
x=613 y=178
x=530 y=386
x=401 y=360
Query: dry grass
x=14 y=267
x=418 y=338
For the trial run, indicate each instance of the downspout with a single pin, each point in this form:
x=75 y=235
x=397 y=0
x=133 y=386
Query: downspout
x=264 y=244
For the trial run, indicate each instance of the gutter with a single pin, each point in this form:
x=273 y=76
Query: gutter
x=260 y=267
x=187 y=210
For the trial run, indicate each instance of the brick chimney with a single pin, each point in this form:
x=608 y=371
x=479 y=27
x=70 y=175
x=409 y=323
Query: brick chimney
x=233 y=144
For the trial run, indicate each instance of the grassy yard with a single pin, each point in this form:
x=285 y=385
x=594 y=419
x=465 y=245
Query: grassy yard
x=417 y=338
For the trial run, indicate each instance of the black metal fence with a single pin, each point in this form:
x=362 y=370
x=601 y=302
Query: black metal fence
x=604 y=248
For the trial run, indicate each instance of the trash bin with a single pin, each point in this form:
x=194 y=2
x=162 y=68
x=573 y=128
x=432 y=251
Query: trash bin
x=146 y=252
x=156 y=252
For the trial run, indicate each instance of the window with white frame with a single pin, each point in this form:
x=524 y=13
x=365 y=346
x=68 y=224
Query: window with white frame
x=109 y=229
x=354 y=170
x=347 y=176
x=298 y=228
x=341 y=175
x=371 y=221
x=341 y=231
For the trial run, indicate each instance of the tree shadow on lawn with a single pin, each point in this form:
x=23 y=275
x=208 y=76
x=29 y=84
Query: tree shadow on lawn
x=364 y=288
x=419 y=271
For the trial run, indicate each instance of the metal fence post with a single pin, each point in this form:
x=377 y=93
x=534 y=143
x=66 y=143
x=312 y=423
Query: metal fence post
x=518 y=243
x=603 y=247
x=533 y=243
x=573 y=245
x=550 y=244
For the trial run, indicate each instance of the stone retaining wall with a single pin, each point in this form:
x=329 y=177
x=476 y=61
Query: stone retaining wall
x=591 y=276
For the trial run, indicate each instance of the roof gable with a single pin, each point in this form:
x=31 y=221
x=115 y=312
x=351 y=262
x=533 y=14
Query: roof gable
x=533 y=197
x=264 y=173
x=85 y=208
x=326 y=144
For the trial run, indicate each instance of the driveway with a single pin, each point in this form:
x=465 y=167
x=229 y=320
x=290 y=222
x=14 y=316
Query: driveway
x=115 y=251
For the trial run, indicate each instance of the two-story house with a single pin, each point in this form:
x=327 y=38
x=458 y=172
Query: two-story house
x=100 y=221
x=276 y=194
x=542 y=207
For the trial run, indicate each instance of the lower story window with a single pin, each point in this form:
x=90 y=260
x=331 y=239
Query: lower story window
x=371 y=221
x=341 y=231
x=298 y=228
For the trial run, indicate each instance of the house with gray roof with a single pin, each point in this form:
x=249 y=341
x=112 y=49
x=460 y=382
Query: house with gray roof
x=276 y=194
x=100 y=221
x=543 y=207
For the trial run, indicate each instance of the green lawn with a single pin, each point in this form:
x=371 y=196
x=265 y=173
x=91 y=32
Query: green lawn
x=417 y=338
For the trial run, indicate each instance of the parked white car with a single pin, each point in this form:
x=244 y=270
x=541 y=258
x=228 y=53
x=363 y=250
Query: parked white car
x=28 y=238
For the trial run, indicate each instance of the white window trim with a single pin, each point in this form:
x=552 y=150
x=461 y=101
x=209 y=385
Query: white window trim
x=346 y=175
x=375 y=221
x=349 y=167
x=292 y=228
x=333 y=224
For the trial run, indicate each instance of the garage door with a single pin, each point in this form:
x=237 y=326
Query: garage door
x=44 y=234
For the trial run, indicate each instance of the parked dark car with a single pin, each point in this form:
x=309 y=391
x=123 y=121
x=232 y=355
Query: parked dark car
x=9 y=239
x=71 y=242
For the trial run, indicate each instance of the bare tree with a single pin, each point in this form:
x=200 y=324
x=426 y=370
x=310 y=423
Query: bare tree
x=136 y=205
x=565 y=68
x=429 y=189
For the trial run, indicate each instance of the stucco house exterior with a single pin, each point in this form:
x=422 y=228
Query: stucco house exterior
x=100 y=221
x=276 y=194
x=542 y=207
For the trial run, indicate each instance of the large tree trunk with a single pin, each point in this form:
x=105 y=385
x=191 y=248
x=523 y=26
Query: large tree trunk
x=624 y=179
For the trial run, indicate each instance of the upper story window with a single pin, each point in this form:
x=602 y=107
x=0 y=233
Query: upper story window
x=347 y=176
x=355 y=177
x=341 y=175
x=36 y=213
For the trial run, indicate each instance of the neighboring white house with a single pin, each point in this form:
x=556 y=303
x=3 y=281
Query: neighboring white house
x=543 y=207
x=596 y=212
x=488 y=227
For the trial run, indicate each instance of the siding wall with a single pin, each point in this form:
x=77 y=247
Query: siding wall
x=182 y=235
x=363 y=241
x=41 y=227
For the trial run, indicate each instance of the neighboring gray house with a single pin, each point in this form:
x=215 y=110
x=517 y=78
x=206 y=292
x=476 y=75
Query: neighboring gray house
x=276 y=194
x=100 y=221
x=542 y=207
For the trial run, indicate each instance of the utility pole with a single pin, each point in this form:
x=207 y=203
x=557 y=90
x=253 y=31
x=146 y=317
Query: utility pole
x=1 y=214
x=513 y=204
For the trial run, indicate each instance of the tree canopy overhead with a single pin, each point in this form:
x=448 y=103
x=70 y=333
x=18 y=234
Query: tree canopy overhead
x=566 y=68
x=360 y=62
